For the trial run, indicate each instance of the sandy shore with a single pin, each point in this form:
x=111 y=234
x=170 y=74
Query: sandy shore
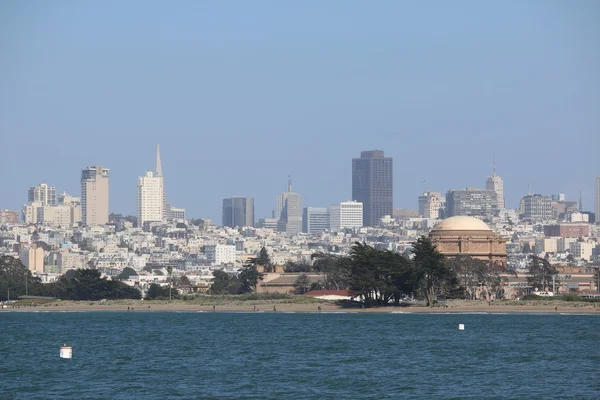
x=453 y=306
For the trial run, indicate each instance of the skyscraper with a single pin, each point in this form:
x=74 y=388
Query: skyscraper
x=43 y=194
x=496 y=184
x=597 y=198
x=94 y=196
x=238 y=212
x=372 y=185
x=315 y=220
x=151 y=200
x=289 y=211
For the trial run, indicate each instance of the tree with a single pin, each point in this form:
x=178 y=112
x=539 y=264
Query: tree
x=224 y=283
x=335 y=268
x=183 y=281
x=302 y=284
x=170 y=272
x=263 y=260
x=127 y=273
x=249 y=278
x=540 y=273
x=431 y=273
x=526 y=249
x=297 y=266
x=15 y=278
x=470 y=272
x=155 y=291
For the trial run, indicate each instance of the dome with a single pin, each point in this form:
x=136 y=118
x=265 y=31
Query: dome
x=462 y=223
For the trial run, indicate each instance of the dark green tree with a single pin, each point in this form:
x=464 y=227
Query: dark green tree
x=263 y=260
x=157 y=292
x=431 y=272
x=15 y=279
x=302 y=284
x=297 y=266
x=540 y=273
x=335 y=268
x=526 y=248
x=249 y=277
x=126 y=273
x=224 y=283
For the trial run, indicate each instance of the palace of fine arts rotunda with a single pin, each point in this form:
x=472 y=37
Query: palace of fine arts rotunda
x=468 y=236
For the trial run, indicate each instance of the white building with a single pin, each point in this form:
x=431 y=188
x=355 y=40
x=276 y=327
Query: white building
x=55 y=216
x=582 y=250
x=546 y=245
x=430 y=204
x=150 y=198
x=220 y=253
x=43 y=194
x=33 y=258
x=347 y=214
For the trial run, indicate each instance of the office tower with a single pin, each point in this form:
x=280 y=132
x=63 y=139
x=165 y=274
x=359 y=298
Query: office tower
x=289 y=208
x=597 y=198
x=94 y=195
x=537 y=207
x=158 y=173
x=315 y=220
x=347 y=214
x=496 y=184
x=430 y=204
x=372 y=185
x=43 y=194
x=558 y=197
x=472 y=202
x=238 y=212
x=150 y=199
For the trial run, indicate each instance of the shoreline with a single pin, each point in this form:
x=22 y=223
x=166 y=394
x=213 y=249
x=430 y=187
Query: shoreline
x=454 y=307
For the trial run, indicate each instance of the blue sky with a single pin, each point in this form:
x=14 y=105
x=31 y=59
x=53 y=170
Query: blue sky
x=241 y=94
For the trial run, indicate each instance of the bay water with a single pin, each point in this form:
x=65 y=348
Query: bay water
x=192 y=355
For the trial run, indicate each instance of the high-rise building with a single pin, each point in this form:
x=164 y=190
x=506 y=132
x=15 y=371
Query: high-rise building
x=238 y=212
x=315 y=220
x=43 y=194
x=430 y=204
x=289 y=211
x=373 y=185
x=496 y=184
x=597 y=198
x=33 y=258
x=94 y=195
x=346 y=215
x=150 y=199
x=537 y=207
x=471 y=202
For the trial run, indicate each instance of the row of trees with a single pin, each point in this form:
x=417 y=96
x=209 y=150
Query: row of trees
x=81 y=284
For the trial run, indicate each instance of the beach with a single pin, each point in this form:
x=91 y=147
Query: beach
x=287 y=305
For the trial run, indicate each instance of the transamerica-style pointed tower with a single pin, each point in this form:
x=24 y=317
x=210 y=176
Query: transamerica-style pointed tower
x=157 y=163
x=496 y=184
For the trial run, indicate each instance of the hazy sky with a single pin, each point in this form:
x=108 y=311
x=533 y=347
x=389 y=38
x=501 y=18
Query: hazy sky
x=240 y=94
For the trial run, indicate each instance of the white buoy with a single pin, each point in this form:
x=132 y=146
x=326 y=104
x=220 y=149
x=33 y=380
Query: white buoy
x=66 y=352
x=461 y=327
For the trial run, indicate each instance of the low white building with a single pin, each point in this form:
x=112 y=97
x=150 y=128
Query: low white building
x=220 y=253
x=347 y=214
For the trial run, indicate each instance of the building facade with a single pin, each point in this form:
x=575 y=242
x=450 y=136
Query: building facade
x=572 y=230
x=373 y=185
x=346 y=215
x=289 y=212
x=150 y=199
x=495 y=184
x=238 y=212
x=430 y=204
x=43 y=194
x=315 y=220
x=537 y=207
x=471 y=202
x=219 y=254
x=33 y=258
x=10 y=217
x=94 y=195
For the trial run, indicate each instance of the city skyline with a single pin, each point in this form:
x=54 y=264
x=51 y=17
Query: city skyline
x=241 y=104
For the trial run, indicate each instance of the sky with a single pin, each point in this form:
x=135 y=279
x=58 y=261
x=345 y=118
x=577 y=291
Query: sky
x=241 y=94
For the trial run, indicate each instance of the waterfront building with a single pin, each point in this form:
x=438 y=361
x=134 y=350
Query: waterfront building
x=537 y=207
x=43 y=194
x=496 y=184
x=469 y=236
x=289 y=211
x=471 y=202
x=430 y=204
x=238 y=212
x=346 y=215
x=94 y=195
x=315 y=220
x=373 y=185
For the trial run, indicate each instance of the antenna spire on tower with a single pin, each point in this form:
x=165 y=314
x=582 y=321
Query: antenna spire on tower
x=289 y=183
x=157 y=163
x=494 y=171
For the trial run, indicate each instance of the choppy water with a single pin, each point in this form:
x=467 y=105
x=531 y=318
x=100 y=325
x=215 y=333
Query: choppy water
x=158 y=355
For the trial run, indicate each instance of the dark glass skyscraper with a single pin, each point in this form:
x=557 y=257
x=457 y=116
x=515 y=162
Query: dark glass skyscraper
x=238 y=212
x=373 y=185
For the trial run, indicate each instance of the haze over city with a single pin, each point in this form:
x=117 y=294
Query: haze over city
x=239 y=95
